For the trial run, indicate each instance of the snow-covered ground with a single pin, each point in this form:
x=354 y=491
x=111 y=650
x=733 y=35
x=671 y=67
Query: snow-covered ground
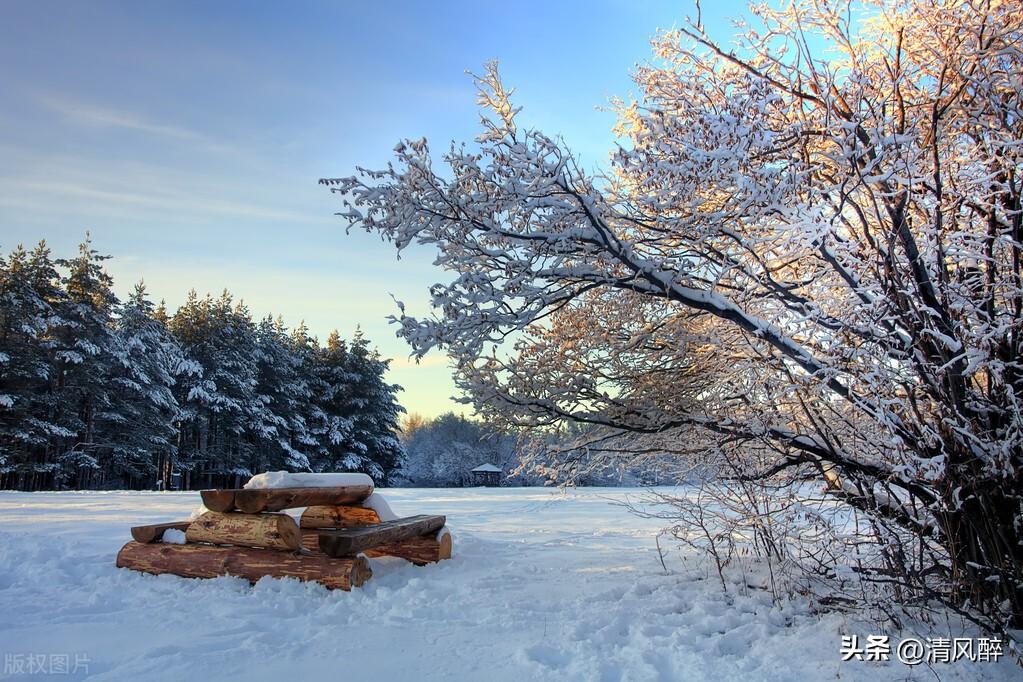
x=544 y=585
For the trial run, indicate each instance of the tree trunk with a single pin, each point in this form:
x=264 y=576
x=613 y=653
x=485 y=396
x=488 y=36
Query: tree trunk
x=218 y=500
x=339 y=516
x=272 y=531
x=985 y=551
x=210 y=561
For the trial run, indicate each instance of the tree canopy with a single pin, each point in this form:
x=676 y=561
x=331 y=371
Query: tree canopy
x=803 y=258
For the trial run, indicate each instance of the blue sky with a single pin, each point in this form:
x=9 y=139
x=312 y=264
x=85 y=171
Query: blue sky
x=188 y=137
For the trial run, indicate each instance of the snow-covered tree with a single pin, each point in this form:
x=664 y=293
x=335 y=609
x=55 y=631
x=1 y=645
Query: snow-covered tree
x=140 y=425
x=83 y=344
x=98 y=394
x=284 y=393
x=30 y=302
x=441 y=452
x=826 y=215
x=217 y=393
x=359 y=409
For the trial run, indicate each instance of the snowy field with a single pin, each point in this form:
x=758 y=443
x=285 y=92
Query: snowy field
x=544 y=585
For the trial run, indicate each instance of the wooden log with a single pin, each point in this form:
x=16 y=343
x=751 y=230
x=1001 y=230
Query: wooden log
x=154 y=532
x=272 y=531
x=338 y=516
x=349 y=542
x=276 y=499
x=420 y=551
x=218 y=500
x=210 y=561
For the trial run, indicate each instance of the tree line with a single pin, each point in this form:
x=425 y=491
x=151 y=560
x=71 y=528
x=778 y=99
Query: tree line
x=100 y=393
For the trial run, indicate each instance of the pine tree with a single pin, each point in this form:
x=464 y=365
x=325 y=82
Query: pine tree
x=84 y=347
x=218 y=391
x=140 y=427
x=30 y=296
x=94 y=393
x=361 y=410
x=283 y=392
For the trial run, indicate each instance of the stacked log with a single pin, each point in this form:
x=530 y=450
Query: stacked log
x=244 y=535
x=427 y=546
x=252 y=563
x=256 y=500
x=419 y=551
x=154 y=533
x=338 y=516
x=269 y=531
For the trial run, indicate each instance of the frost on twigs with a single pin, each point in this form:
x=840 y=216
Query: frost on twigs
x=808 y=267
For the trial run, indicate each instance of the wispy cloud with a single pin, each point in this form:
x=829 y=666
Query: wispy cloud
x=80 y=112
x=179 y=203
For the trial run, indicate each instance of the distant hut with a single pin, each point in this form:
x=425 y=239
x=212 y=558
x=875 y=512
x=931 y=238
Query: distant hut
x=486 y=475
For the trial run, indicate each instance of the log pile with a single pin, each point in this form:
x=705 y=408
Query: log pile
x=246 y=534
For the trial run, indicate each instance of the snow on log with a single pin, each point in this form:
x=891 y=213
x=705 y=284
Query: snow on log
x=211 y=561
x=338 y=516
x=338 y=543
x=377 y=503
x=272 y=531
x=154 y=532
x=286 y=479
x=275 y=499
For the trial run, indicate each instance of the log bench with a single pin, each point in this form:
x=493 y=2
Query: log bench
x=245 y=535
x=430 y=547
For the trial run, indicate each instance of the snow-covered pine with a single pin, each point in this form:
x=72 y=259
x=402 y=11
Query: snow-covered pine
x=140 y=423
x=96 y=394
x=83 y=347
x=803 y=266
x=31 y=301
x=284 y=395
x=359 y=410
x=219 y=404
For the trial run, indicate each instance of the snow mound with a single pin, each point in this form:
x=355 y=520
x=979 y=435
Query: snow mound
x=173 y=536
x=285 y=479
x=377 y=503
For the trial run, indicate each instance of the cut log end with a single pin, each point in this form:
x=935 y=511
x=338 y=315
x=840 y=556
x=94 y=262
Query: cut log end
x=444 y=546
x=218 y=500
x=154 y=533
x=361 y=571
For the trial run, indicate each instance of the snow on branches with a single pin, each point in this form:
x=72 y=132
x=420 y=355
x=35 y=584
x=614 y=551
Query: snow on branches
x=816 y=260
